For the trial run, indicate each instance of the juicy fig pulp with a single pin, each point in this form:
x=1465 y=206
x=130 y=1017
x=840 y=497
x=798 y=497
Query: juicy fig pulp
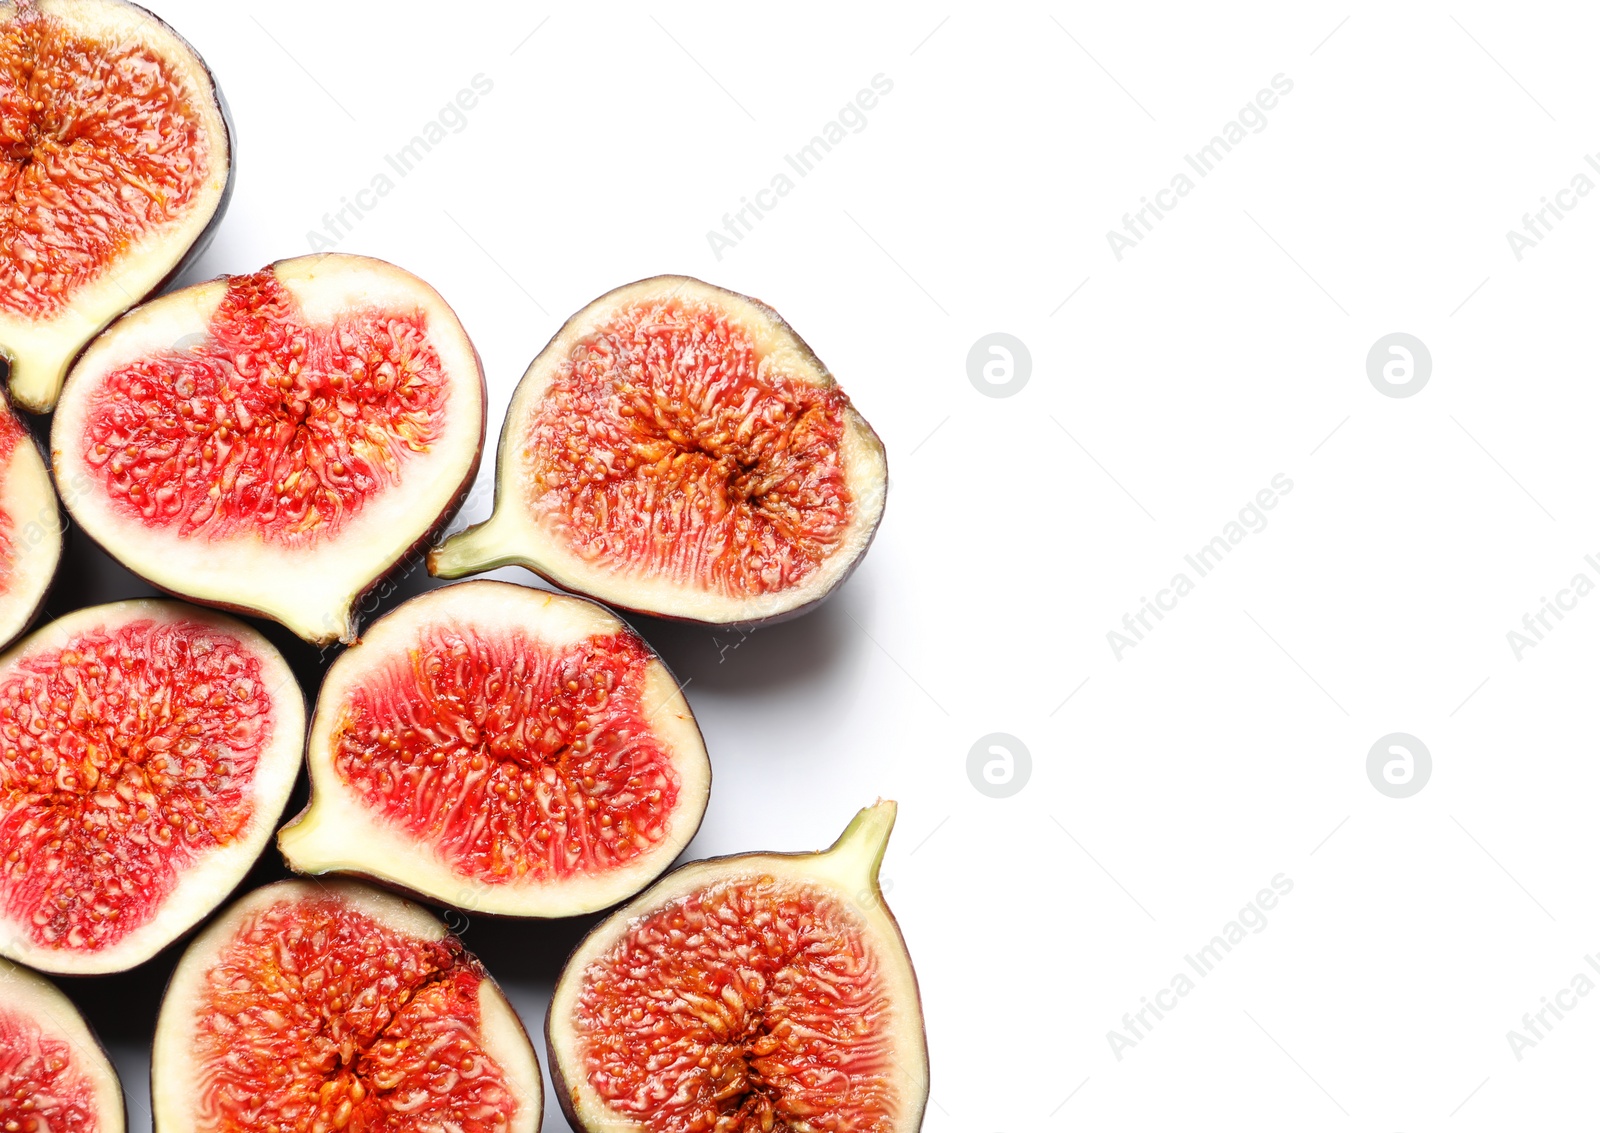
x=677 y=450
x=147 y=749
x=274 y=443
x=30 y=529
x=744 y=995
x=54 y=1076
x=308 y=1008
x=117 y=164
x=504 y=750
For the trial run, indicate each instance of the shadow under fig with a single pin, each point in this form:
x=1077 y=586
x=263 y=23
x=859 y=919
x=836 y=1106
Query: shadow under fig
x=749 y=661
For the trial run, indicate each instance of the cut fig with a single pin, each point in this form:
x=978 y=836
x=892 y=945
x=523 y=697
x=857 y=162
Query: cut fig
x=54 y=1075
x=117 y=164
x=309 y=1007
x=677 y=450
x=147 y=749
x=30 y=529
x=745 y=995
x=504 y=750
x=274 y=443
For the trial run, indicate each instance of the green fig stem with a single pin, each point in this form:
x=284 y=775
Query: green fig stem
x=866 y=838
x=468 y=552
x=34 y=386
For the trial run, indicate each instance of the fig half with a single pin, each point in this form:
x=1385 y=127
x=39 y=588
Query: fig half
x=274 y=443
x=745 y=995
x=677 y=450
x=117 y=163
x=309 y=1007
x=54 y=1075
x=147 y=749
x=30 y=529
x=504 y=750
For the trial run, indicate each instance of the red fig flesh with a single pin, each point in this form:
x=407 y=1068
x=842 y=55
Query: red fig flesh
x=747 y=994
x=116 y=166
x=30 y=528
x=504 y=750
x=147 y=749
x=678 y=450
x=320 y=1007
x=54 y=1077
x=274 y=443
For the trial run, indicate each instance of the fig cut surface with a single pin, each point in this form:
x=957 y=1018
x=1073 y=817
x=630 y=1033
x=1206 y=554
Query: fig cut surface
x=677 y=450
x=147 y=749
x=54 y=1075
x=747 y=994
x=116 y=165
x=312 y=1007
x=30 y=529
x=504 y=750
x=274 y=443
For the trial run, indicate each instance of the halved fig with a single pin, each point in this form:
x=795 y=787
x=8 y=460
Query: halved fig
x=677 y=450
x=116 y=164
x=504 y=750
x=745 y=995
x=274 y=443
x=309 y=1007
x=147 y=749
x=54 y=1075
x=30 y=529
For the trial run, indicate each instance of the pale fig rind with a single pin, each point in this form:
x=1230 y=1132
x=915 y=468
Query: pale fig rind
x=203 y=883
x=39 y=351
x=39 y=1003
x=315 y=590
x=847 y=871
x=35 y=533
x=513 y=537
x=338 y=832
x=178 y=1088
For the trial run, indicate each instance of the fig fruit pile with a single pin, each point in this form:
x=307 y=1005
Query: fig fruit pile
x=278 y=444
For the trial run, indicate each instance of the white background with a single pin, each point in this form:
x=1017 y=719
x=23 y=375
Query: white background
x=1229 y=346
